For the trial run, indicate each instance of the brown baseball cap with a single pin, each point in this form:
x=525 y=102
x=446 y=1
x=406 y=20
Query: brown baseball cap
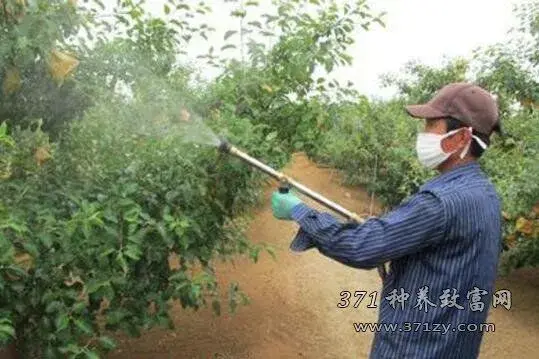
x=462 y=101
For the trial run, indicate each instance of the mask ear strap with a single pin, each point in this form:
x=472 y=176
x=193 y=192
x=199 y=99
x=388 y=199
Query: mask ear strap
x=474 y=137
x=481 y=143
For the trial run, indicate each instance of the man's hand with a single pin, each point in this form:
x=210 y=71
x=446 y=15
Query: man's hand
x=282 y=204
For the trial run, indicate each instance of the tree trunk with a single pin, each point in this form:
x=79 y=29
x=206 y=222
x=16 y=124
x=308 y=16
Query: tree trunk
x=9 y=352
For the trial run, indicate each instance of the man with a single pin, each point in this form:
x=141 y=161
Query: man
x=443 y=243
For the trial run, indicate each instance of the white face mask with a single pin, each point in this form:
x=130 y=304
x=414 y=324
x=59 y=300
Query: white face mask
x=429 y=148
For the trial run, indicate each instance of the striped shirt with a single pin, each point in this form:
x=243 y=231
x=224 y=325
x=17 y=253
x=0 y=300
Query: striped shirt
x=443 y=245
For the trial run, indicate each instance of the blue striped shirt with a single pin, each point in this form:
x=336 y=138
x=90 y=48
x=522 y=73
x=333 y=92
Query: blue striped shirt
x=443 y=245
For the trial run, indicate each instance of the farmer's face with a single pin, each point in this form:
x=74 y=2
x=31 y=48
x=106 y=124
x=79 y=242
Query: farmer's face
x=451 y=143
x=435 y=126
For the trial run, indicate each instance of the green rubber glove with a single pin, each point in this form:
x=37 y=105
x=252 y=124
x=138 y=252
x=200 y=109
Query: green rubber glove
x=282 y=204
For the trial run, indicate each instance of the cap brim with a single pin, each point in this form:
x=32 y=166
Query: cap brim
x=424 y=111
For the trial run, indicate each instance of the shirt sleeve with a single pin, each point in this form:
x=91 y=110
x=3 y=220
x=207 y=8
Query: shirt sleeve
x=415 y=224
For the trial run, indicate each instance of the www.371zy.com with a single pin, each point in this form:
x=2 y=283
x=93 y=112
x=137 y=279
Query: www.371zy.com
x=442 y=328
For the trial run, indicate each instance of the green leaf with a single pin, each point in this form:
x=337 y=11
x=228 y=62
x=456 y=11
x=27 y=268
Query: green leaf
x=229 y=46
x=121 y=261
x=53 y=306
x=123 y=20
x=255 y=23
x=107 y=343
x=107 y=252
x=18 y=287
x=161 y=229
x=16 y=271
x=229 y=33
x=31 y=249
x=177 y=23
x=271 y=251
x=62 y=322
x=90 y=354
x=79 y=307
x=46 y=240
x=133 y=252
x=271 y=136
x=70 y=348
x=132 y=214
x=254 y=254
x=100 y=3
x=184 y=223
x=7 y=330
x=83 y=326
x=167 y=9
x=16 y=227
x=380 y=22
x=238 y=13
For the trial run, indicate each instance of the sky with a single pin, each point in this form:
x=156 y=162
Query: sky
x=424 y=30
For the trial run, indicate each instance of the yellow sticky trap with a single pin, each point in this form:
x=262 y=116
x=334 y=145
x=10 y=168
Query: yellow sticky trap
x=524 y=225
x=267 y=88
x=61 y=65
x=185 y=115
x=25 y=261
x=12 y=80
x=41 y=155
x=5 y=169
x=215 y=114
x=511 y=240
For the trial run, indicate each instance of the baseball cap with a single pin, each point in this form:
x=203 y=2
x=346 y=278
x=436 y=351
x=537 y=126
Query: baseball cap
x=466 y=102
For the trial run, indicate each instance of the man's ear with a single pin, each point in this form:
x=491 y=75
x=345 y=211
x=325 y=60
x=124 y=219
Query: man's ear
x=466 y=136
x=454 y=141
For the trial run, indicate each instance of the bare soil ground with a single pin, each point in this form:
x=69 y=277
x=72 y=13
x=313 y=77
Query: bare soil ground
x=293 y=311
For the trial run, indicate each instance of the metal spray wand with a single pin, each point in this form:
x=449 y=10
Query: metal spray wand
x=287 y=182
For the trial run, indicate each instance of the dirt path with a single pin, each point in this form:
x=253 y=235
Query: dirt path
x=293 y=311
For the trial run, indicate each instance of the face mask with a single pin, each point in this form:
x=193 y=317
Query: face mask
x=429 y=148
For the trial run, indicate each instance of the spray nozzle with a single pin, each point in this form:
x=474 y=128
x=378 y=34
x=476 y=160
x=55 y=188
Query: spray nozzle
x=224 y=146
x=284 y=185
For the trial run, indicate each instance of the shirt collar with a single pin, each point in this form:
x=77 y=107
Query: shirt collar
x=455 y=172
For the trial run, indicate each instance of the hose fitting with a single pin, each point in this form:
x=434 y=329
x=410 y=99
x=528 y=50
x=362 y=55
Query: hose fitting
x=224 y=146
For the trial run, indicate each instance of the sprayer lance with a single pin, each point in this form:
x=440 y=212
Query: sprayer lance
x=287 y=182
